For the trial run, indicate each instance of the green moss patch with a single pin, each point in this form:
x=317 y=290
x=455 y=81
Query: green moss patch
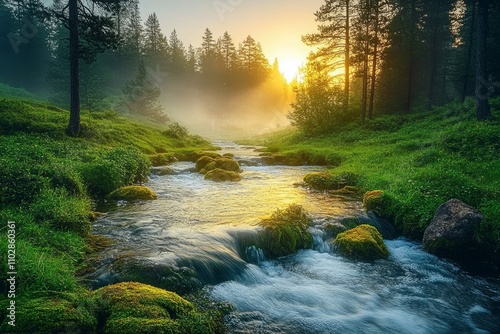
x=221 y=175
x=363 y=242
x=132 y=193
x=329 y=181
x=55 y=313
x=131 y=308
x=227 y=164
x=379 y=202
x=285 y=232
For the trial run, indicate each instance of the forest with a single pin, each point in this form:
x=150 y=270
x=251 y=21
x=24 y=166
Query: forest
x=370 y=58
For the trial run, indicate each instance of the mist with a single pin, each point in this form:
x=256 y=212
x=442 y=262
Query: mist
x=226 y=114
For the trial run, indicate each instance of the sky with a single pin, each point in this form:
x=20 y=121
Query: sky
x=277 y=24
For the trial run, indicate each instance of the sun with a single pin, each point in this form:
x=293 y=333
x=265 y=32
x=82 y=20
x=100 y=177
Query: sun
x=289 y=67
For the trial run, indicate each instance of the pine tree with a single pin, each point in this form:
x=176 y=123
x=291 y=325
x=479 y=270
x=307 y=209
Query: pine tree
x=141 y=96
x=333 y=38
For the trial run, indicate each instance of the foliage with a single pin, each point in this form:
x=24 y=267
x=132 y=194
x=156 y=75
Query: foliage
x=115 y=168
x=319 y=105
x=176 y=130
x=363 y=242
x=285 y=232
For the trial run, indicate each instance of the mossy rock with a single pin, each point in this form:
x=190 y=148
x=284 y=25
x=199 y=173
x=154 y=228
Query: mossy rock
x=132 y=193
x=55 y=313
x=180 y=280
x=166 y=171
x=347 y=191
x=285 y=232
x=334 y=229
x=363 y=242
x=132 y=307
x=202 y=162
x=228 y=155
x=161 y=159
x=377 y=201
x=222 y=163
x=221 y=175
x=212 y=155
x=328 y=181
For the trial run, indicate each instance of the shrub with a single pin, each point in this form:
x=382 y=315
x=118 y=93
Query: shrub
x=175 y=130
x=116 y=168
x=285 y=232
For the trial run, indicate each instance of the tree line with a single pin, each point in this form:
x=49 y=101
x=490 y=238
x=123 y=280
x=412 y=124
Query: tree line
x=397 y=56
x=118 y=61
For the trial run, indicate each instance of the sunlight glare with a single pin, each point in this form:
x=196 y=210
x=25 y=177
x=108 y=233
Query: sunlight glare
x=289 y=67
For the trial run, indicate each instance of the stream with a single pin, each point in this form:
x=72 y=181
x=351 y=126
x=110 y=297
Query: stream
x=199 y=224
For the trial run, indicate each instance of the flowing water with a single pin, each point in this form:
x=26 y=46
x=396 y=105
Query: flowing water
x=200 y=224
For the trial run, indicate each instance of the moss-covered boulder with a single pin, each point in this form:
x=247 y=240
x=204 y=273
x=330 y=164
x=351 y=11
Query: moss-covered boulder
x=363 y=242
x=222 y=163
x=203 y=162
x=166 y=171
x=131 y=193
x=328 y=181
x=162 y=159
x=54 y=313
x=134 y=308
x=378 y=201
x=221 y=175
x=285 y=232
x=166 y=276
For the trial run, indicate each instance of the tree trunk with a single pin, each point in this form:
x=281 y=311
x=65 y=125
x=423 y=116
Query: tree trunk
x=365 y=70
x=482 y=105
x=347 y=56
x=411 y=61
x=374 y=64
x=469 y=51
x=434 y=61
x=73 y=129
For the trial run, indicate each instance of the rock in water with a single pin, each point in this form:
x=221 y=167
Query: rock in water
x=451 y=232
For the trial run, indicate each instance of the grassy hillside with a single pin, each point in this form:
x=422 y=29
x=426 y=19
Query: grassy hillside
x=49 y=181
x=420 y=160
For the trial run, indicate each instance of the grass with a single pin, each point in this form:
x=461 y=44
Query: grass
x=420 y=161
x=49 y=181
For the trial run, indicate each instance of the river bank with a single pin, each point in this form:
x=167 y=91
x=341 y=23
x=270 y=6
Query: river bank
x=420 y=161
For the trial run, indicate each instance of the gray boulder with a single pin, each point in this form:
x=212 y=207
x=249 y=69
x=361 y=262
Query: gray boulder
x=451 y=232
